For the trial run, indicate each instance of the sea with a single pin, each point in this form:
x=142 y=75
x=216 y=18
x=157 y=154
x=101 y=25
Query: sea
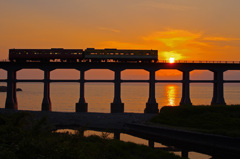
x=99 y=97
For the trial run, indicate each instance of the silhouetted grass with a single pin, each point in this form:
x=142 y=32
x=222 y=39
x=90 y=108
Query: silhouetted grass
x=223 y=120
x=24 y=137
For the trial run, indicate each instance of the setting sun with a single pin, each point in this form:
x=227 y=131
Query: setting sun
x=171 y=60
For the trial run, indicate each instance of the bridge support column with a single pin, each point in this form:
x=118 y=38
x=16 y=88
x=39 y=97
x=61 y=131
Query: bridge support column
x=116 y=135
x=151 y=105
x=11 y=101
x=117 y=106
x=151 y=143
x=82 y=106
x=46 y=103
x=185 y=153
x=218 y=89
x=185 y=89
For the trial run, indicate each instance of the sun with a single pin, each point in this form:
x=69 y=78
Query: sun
x=171 y=60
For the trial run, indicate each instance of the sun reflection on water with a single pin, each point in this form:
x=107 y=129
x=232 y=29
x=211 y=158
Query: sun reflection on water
x=171 y=93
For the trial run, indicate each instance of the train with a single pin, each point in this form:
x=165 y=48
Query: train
x=80 y=55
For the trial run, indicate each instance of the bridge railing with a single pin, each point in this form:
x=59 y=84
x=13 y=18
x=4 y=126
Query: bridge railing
x=199 y=61
x=167 y=61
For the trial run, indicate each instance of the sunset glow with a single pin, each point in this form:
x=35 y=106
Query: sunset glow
x=185 y=33
x=171 y=60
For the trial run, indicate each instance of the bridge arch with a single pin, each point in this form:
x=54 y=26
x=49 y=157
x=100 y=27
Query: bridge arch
x=201 y=86
x=231 y=85
x=3 y=77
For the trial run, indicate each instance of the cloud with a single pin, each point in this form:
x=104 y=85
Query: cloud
x=220 y=39
x=181 y=45
x=121 y=45
x=167 y=6
x=109 y=29
x=173 y=38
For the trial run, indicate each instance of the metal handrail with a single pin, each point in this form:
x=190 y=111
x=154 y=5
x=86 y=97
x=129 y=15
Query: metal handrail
x=166 y=61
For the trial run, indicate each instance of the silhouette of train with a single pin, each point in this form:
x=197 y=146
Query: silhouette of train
x=80 y=55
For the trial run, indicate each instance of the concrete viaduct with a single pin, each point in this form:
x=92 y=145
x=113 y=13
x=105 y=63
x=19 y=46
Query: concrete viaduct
x=117 y=106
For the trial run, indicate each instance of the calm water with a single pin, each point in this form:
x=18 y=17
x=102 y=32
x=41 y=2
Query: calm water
x=134 y=96
x=99 y=96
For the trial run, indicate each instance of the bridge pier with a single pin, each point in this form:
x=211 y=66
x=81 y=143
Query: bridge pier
x=151 y=105
x=46 y=103
x=11 y=101
x=117 y=106
x=82 y=106
x=184 y=153
x=116 y=135
x=151 y=143
x=185 y=89
x=218 y=89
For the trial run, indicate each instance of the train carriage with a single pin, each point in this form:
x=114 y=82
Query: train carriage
x=105 y=55
x=78 y=55
x=45 y=55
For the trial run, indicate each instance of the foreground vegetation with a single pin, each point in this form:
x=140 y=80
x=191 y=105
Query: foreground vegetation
x=23 y=137
x=224 y=120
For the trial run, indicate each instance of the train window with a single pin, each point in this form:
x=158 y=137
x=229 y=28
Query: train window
x=132 y=53
x=116 y=53
x=107 y=53
x=126 y=53
x=111 y=53
x=121 y=53
x=74 y=53
x=147 y=53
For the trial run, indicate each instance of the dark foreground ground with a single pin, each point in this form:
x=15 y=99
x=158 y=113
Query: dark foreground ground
x=222 y=120
x=23 y=136
x=102 y=121
x=187 y=128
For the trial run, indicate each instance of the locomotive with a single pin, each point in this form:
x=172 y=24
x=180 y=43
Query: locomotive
x=80 y=55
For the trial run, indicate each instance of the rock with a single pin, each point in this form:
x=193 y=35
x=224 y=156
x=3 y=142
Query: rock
x=4 y=89
x=19 y=89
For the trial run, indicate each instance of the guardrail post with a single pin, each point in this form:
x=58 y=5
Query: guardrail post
x=184 y=153
x=151 y=105
x=151 y=143
x=185 y=89
x=116 y=135
x=46 y=103
x=218 y=88
x=11 y=100
x=82 y=106
x=117 y=106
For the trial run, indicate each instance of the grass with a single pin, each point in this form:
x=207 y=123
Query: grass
x=24 y=137
x=223 y=120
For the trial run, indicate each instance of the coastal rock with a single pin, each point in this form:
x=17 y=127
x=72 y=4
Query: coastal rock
x=4 y=89
x=19 y=89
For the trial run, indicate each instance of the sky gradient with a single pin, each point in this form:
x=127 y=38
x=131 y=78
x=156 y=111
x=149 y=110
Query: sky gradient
x=183 y=29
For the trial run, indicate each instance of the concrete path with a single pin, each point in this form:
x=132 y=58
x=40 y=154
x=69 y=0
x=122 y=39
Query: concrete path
x=103 y=121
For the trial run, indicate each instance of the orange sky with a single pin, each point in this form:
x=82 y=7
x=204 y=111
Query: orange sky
x=183 y=29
